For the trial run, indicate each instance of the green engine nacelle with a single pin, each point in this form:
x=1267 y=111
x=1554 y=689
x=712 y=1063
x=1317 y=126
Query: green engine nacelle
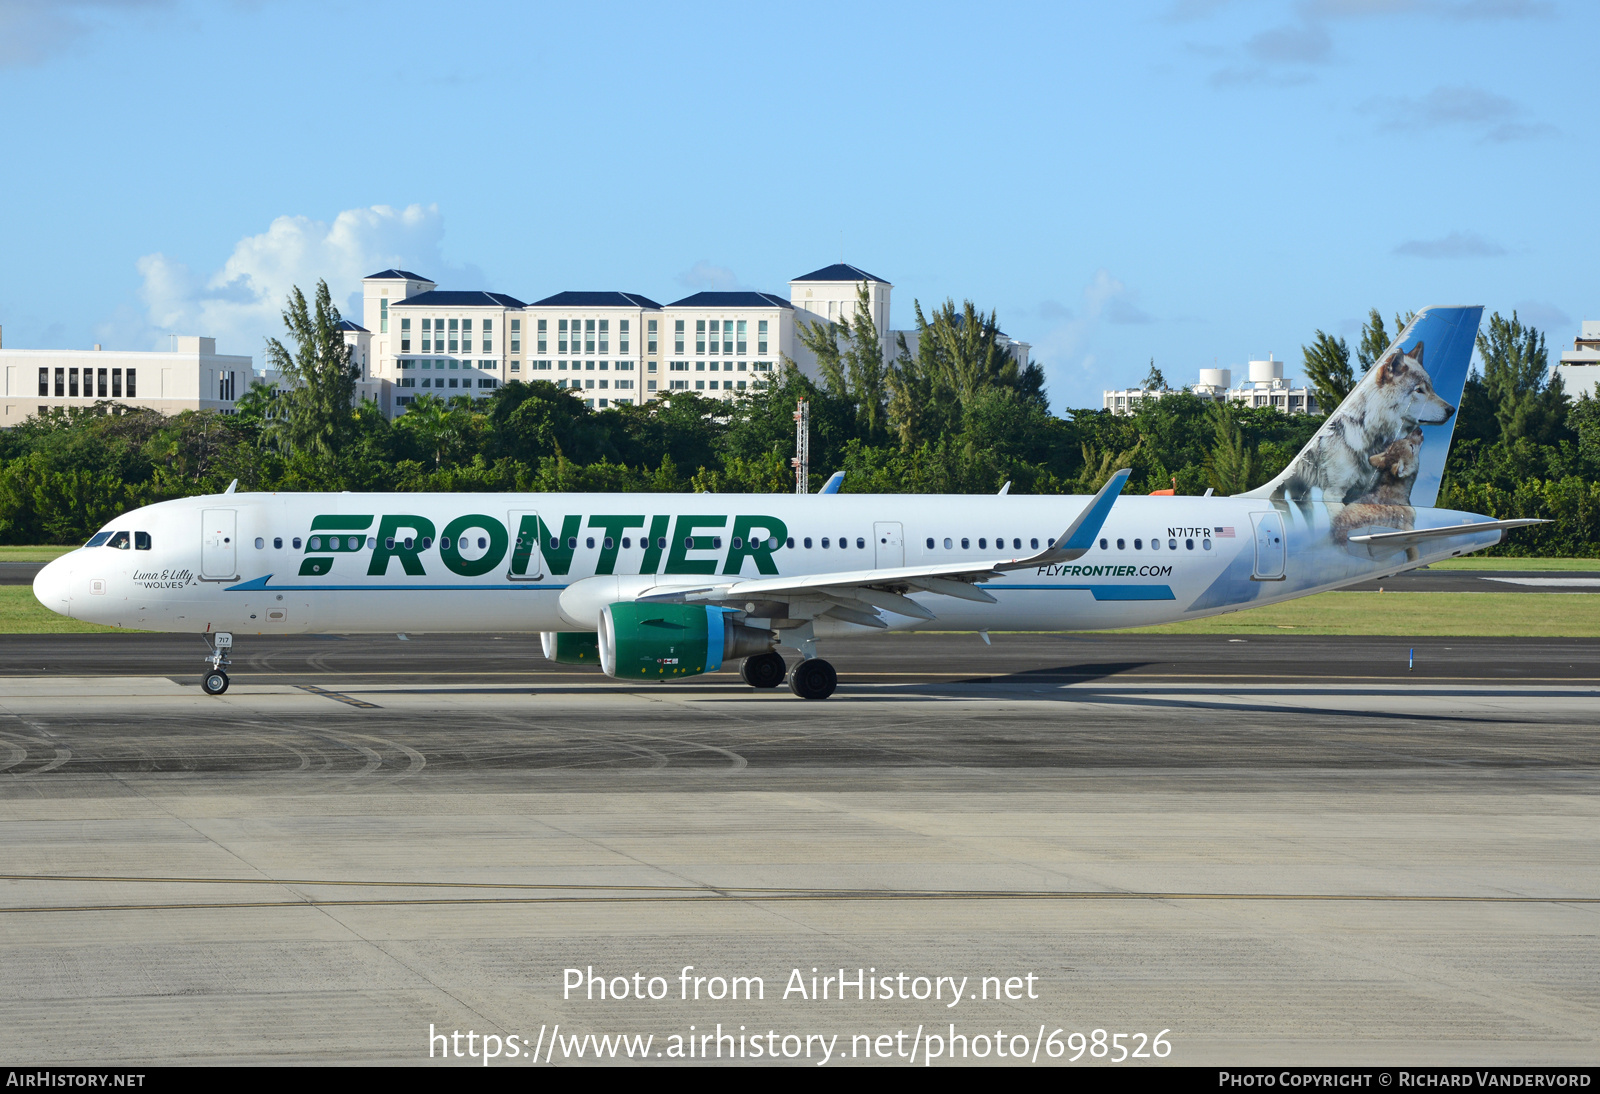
x=662 y=641
x=571 y=647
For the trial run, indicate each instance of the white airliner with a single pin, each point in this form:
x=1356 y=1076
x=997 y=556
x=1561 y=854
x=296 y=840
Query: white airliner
x=665 y=586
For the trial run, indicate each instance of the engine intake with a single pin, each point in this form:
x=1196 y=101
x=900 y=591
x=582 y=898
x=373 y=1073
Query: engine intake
x=660 y=641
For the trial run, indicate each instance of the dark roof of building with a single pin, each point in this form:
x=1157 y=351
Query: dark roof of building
x=395 y=275
x=732 y=300
x=346 y=324
x=447 y=298
x=596 y=300
x=840 y=271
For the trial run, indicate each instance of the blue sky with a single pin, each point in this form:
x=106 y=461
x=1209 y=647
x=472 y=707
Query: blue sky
x=1195 y=181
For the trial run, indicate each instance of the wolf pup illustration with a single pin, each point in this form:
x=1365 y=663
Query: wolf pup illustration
x=1395 y=397
x=1389 y=502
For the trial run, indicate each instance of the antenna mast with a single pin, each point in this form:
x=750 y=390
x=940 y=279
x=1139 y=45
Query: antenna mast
x=802 y=448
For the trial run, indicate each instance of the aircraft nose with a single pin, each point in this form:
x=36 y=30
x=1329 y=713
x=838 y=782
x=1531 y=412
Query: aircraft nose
x=52 y=586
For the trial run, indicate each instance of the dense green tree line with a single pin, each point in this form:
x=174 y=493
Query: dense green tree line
x=955 y=413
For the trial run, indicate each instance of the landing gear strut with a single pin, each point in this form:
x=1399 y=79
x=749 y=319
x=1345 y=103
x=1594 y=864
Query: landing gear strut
x=813 y=678
x=215 y=682
x=764 y=670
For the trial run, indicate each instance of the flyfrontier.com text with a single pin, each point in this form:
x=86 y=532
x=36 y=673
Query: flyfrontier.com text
x=848 y=985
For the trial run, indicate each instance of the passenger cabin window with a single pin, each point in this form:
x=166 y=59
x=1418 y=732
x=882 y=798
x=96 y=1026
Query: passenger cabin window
x=98 y=539
x=261 y=544
x=296 y=542
x=120 y=541
x=1035 y=543
x=930 y=543
x=277 y=543
x=861 y=543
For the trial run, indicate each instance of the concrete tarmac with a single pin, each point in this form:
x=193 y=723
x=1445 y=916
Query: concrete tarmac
x=1278 y=851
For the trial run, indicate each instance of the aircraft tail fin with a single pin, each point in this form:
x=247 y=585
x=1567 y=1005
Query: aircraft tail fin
x=1396 y=422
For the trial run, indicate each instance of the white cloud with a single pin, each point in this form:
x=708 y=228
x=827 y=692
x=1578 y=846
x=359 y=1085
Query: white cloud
x=31 y=31
x=1454 y=245
x=706 y=276
x=1075 y=371
x=240 y=303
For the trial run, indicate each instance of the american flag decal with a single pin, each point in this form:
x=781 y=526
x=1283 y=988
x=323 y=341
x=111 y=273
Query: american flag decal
x=1224 y=533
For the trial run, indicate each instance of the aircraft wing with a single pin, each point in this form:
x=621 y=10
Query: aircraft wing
x=855 y=595
x=1407 y=539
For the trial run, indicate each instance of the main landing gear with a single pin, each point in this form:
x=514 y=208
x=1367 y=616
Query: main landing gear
x=764 y=670
x=813 y=678
x=215 y=682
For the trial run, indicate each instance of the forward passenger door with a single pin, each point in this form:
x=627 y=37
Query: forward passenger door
x=218 y=544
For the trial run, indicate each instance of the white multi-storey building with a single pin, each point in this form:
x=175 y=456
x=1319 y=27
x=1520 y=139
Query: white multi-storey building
x=722 y=343
x=617 y=348
x=191 y=376
x=1266 y=387
x=1579 y=367
x=602 y=343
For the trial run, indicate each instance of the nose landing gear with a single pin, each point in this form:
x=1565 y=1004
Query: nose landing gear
x=215 y=682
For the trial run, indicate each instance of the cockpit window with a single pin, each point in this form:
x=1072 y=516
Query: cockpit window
x=119 y=540
x=98 y=539
x=141 y=541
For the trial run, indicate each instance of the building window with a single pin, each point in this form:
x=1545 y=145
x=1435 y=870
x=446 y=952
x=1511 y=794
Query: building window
x=561 y=336
x=100 y=377
x=624 y=366
x=650 y=336
x=588 y=337
x=516 y=336
x=72 y=382
x=678 y=366
x=761 y=336
x=516 y=366
x=679 y=385
x=383 y=317
x=605 y=336
x=453 y=336
x=761 y=366
x=488 y=335
x=741 y=342
x=405 y=335
x=61 y=383
x=116 y=383
x=427 y=341
x=625 y=385
x=677 y=336
x=700 y=366
x=700 y=336
x=622 y=336
x=544 y=345
x=466 y=337
x=650 y=385
x=44 y=383
x=727 y=336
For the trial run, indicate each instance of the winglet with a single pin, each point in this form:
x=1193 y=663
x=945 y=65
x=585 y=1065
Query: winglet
x=1080 y=535
x=835 y=481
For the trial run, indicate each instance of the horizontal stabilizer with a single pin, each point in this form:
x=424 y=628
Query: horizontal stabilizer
x=1406 y=539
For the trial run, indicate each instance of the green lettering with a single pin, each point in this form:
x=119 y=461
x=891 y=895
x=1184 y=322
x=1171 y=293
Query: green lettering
x=315 y=567
x=389 y=530
x=557 y=551
x=652 y=552
x=746 y=546
x=678 y=561
x=613 y=528
x=450 y=545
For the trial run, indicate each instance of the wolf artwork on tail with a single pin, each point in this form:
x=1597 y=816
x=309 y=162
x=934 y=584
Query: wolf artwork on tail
x=1382 y=450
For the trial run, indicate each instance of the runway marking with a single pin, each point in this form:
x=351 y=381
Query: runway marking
x=743 y=896
x=336 y=697
x=679 y=894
